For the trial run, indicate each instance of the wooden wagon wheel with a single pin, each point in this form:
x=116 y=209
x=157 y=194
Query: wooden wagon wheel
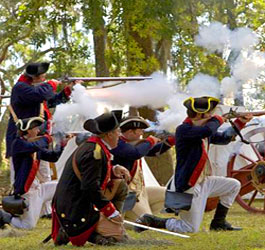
x=250 y=190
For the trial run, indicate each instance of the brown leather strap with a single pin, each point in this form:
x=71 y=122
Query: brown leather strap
x=75 y=168
x=11 y=110
x=109 y=194
x=54 y=171
x=42 y=110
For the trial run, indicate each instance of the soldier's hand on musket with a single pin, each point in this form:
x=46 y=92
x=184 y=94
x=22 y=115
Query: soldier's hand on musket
x=246 y=118
x=121 y=172
x=55 y=81
x=154 y=139
x=71 y=85
x=66 y=139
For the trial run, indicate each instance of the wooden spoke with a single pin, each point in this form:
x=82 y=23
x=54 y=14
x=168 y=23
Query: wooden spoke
x=252 y=197
x=256 y=152
x=247 y=158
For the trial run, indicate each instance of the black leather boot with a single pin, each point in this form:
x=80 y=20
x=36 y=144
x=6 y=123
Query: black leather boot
x=219 y=223
x=5 y=218
x=62 y=238
x=150 y=221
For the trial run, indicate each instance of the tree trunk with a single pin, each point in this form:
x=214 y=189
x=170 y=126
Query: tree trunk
x=3 y=127
x=162 y=166
x=99 y=38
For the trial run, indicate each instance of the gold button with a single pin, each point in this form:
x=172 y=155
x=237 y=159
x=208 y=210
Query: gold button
x=83 y=219
x=63 y=215
x=108 y=208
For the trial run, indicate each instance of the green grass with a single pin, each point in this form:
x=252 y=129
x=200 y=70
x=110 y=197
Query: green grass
x=252 y=236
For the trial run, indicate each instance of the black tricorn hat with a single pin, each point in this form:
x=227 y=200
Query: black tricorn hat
x=104 y=123
x=134 y=122
x=35 y=69
x=29 y=123
x=201 y=104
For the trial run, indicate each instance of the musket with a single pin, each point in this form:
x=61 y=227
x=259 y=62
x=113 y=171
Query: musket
x=4 y=96
x=104 y=79
x=234 y=114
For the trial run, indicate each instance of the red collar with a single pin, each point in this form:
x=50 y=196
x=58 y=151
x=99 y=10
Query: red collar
x=123 y=138
x=25 y=79
x=188 y=120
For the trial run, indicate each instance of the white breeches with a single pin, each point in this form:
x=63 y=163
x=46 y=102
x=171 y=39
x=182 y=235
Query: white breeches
x=12 y=172
x=151 y=201
x=43 y=175
x=36 y=197
x=213 y=186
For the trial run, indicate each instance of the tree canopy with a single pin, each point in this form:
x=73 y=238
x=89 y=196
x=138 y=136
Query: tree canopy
x=117 y=37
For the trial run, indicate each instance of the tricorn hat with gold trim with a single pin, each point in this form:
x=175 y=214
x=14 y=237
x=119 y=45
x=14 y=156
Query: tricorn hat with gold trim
x=201 y=104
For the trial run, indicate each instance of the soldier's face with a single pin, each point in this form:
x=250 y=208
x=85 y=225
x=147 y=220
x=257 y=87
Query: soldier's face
x=39 y=78
x=137 y=134
x=114 y=137
x=33 y=132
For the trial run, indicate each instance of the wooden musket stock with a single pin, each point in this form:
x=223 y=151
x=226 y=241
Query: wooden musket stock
x=234 y=114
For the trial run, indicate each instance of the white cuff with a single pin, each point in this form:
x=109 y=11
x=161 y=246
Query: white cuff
x=114 y=214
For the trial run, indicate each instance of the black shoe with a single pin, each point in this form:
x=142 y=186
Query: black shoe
x=223 y=226
x=99 y=239
x=5 y=218
x=46 y=216
x=62 y=238
x=150 y=221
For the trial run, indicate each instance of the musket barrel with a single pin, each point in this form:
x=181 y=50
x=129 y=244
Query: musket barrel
x=104 y=79
x=234 y=114
x=4 y=96
x=254 y=113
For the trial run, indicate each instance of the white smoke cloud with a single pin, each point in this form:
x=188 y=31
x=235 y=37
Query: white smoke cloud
x=249 y=67
x=200 y=85
x=152 y=93
x=174 y=115
x=243 y=38
x=89 y=103
x=204 y=85
x=214 y=37
x=229 y=86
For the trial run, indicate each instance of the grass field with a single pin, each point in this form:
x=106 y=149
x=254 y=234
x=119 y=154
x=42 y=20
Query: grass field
x=252 y=236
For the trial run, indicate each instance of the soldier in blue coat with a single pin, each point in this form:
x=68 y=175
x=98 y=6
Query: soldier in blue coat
x=193 y=175
x=27 y=150
x=131 y=148
x=30 y=91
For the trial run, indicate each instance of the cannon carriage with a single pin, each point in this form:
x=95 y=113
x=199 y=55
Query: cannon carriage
x=252 y=174
x=244 y=162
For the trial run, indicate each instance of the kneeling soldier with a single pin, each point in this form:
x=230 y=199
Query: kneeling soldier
x=27 y=151
x=193 y=175
x=88 y=199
